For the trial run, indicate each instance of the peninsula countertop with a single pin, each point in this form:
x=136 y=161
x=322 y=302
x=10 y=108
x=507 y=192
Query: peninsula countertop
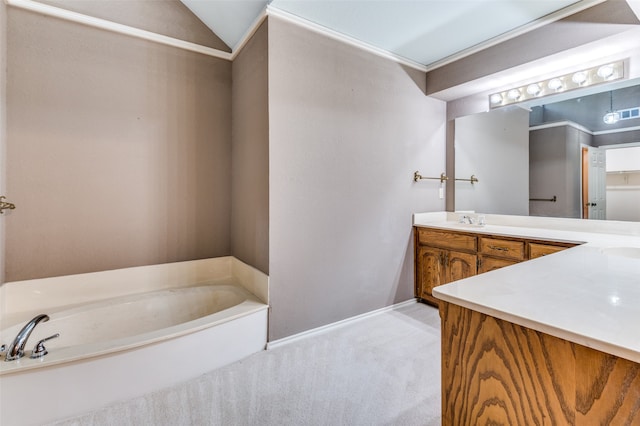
x=588 y=294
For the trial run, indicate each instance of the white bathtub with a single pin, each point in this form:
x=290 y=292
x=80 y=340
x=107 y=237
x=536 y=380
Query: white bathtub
x=127 y=332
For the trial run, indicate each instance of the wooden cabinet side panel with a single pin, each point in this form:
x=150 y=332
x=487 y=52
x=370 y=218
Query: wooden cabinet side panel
x=495 y=372
x=607 y=389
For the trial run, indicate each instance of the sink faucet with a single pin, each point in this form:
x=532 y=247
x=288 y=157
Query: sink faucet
x=466 y=219
x=16 y=349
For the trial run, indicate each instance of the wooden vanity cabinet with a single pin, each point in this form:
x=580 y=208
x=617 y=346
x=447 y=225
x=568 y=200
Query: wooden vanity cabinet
x=436 y=266
x=429 y=272
x=496 y=253
x=443 y=256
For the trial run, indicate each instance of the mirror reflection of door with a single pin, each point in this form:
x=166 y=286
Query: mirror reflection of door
x=594 y=183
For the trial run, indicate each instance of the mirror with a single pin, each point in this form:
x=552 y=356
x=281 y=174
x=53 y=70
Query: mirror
x=553 y=157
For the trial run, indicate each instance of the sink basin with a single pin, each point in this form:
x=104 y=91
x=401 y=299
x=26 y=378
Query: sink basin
x=632 y=252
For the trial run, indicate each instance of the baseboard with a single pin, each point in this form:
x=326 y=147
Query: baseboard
x=290 y=339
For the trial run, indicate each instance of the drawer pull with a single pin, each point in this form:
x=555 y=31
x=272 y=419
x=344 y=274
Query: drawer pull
x=498 y=248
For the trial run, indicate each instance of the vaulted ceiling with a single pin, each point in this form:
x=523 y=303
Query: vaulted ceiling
x=433 y=33
x=423 y=31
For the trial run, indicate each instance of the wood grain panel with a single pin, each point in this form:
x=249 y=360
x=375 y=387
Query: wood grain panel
x=608 y=391
x=447 y=239
x=490 y=263
x=460 y=265
x=494 y=372
x=429 y=272
x=538 y=250
x=507 y=249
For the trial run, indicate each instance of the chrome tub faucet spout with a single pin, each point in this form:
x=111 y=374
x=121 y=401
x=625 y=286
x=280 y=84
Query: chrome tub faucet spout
x=16 y=349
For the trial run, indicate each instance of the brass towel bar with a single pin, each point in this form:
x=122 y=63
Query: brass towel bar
x=473 y=179
x=553 y=200
x=417 y=176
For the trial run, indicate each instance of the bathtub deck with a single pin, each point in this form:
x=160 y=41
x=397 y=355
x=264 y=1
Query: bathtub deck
x=73 y=383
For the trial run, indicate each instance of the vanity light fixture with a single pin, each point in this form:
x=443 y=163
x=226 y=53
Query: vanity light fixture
x=576 y=80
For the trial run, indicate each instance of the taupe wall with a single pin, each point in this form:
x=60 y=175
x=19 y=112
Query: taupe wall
x=554 y=158
x=250 y=153
x=347 y=131
x=118 y=150
x=616 y=138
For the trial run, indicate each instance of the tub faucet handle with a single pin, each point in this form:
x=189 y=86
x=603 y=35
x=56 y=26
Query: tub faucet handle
x=16 y=349
x=39 y=350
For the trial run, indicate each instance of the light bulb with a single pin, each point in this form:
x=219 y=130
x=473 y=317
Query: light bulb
x=555 y=84
x=514 y=94
x=533 y=89
x=580 y=77
x=611 y=117
x=496 y=98
x=605 y=71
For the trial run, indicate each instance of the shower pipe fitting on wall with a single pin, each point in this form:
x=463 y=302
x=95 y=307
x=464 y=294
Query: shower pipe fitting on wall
x=4 y=205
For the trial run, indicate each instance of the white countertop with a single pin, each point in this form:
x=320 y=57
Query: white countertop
x=588 y=294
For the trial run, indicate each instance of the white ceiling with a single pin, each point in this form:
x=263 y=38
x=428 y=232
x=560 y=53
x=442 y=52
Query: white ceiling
x=422 y=31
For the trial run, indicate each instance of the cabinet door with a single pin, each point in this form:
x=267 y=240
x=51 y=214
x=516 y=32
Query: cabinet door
x=490 y=263
x=429 y=272
x=460 y=265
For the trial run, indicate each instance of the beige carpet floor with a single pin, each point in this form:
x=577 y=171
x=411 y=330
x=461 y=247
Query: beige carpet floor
x=380 y=370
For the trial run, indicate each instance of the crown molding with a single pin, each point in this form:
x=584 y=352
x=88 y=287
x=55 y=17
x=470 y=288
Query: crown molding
x=249 y=33
x=608 y=132
x=582 y=128
x=533 y=25
x=312 y=26
x=561 y=124
x=104 y=24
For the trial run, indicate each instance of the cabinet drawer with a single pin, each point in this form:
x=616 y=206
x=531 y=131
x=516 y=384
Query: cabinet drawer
x=487 y=264
x=446 y=239
x=506 y=249
x=539 y=250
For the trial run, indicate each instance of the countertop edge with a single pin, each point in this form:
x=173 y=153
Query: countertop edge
x=498 y=305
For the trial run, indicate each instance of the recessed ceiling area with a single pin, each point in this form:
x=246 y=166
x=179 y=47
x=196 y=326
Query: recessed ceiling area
x=588 y=111
x=421 y=31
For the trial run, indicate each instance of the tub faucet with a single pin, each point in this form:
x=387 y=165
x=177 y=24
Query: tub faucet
x=16 y=349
